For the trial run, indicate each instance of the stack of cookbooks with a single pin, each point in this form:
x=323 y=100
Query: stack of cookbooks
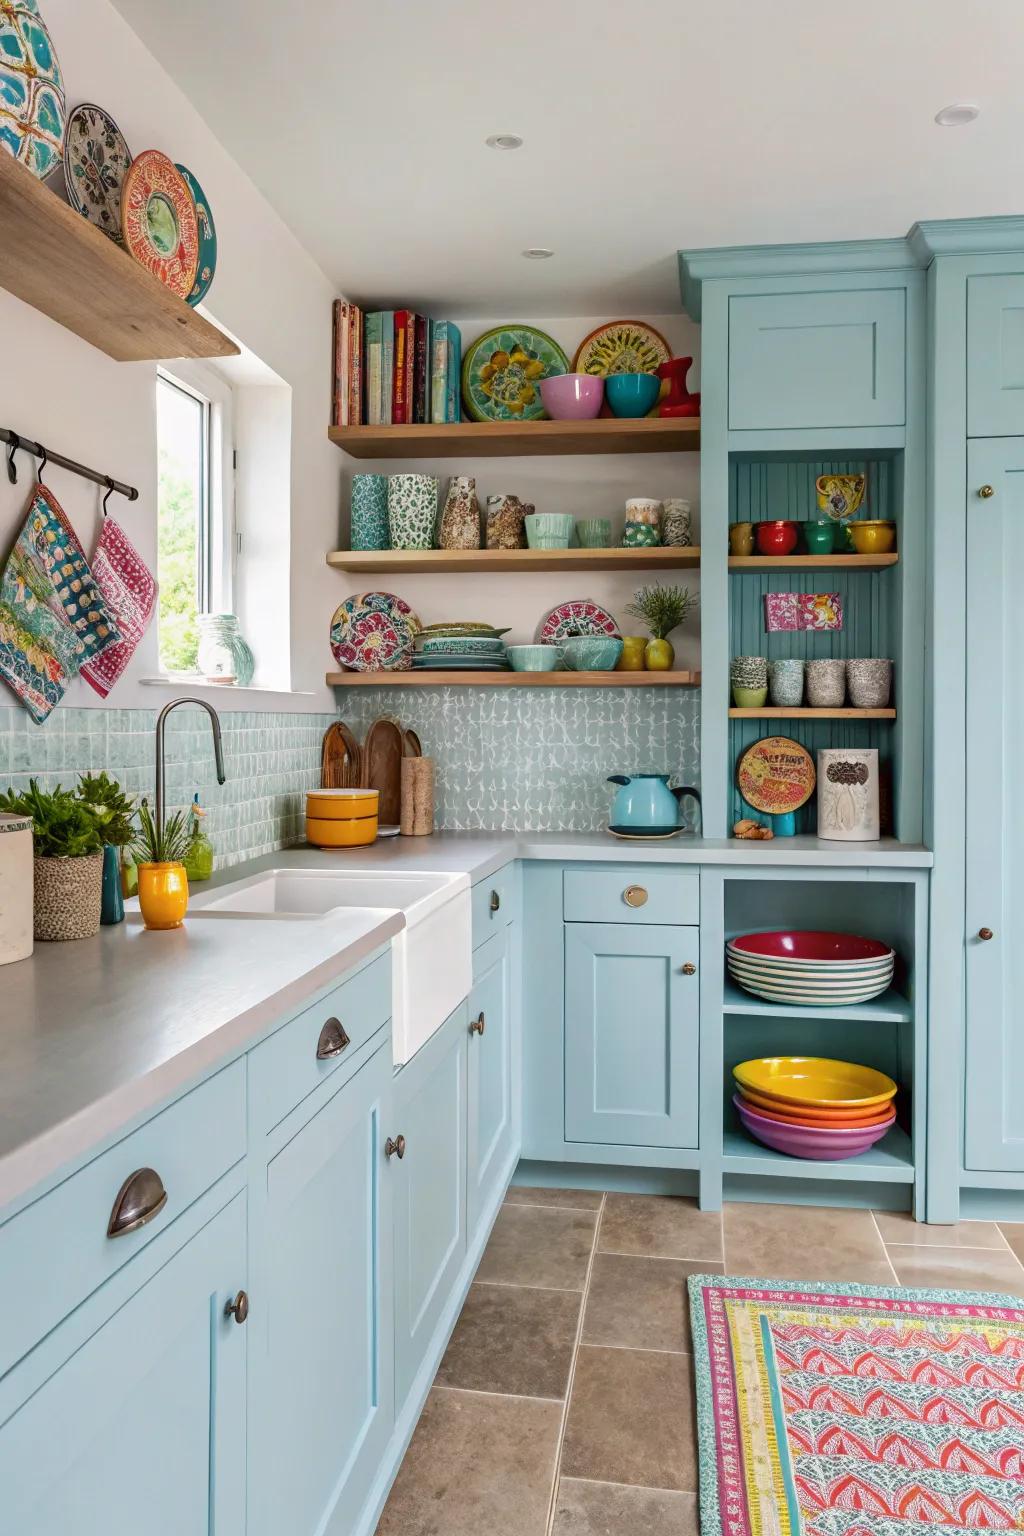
x=394 y=367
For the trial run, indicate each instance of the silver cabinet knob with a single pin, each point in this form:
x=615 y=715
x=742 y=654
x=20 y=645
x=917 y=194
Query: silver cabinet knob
x=141 y=1197
x=395 y=1147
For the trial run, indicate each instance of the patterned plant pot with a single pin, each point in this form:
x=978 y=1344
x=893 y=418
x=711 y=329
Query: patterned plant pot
x=676 y=531
x=826 y=684
x=68 y=898
x=369 y=528
x=412 y=511
x=870 y=682
x=460 y=520
x=641 y=536
x=786 y=683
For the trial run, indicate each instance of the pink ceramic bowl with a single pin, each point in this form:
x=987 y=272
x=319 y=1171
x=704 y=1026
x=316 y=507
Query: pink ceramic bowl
x=820 y=1144
x=572 y=396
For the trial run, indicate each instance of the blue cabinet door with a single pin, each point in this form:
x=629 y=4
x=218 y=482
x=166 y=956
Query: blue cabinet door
x=490 y=1125
x=995 y=808
x=321 y=1367
x=428 y=1186
x=995 y=355
x=631 y=1035
x=143 y=1427
x=823 y=359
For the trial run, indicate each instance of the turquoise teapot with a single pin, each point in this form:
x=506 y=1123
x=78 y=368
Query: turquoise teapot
x=646 y=806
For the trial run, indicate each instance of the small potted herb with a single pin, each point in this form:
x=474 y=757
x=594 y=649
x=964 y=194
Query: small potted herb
x=114 y=814
x=163 y=883
x=662 y=609
x=67 y=861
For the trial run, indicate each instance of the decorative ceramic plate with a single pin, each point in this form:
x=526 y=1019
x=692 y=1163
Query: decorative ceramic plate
x=452 y=631
x=621 y=346
x=96 y=161
x=815 y=1080
x=207 y=239
x=159 y=221
x=32 y=103
x=373 y=632
x=502 y=372
x=459 y=664
x=581 y=616
x=459 y=645
x=776 y=775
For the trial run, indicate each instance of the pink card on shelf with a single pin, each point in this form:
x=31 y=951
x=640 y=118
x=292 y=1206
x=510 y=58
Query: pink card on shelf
x=802 y=610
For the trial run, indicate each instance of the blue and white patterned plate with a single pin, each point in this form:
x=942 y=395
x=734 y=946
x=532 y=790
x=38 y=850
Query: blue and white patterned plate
x=96 y=161
x=32 y=106
x=207 y=239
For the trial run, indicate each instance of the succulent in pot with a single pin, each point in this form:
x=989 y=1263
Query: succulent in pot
x=160 y=852
x=662 y=609
x=67 y=861
x=114 y=814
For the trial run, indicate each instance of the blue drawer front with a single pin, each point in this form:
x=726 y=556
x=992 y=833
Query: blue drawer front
x=995 y=355
x=493 y=904
x=632 y=894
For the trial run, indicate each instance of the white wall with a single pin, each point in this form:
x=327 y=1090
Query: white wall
x=268 y=292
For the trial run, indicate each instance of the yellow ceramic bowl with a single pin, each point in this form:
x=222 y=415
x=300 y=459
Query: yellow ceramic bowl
x=815 y=1081
x=353 y=833
x=341 y=804
x=876 y=537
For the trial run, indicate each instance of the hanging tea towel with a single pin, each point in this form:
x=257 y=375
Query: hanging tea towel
x=129 y=591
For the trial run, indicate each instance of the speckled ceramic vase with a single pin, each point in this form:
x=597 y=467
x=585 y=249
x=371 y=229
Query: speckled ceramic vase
x=826 y=684
x=412 y=511
x=869 y=680
x=676 y=531
x=369 y=512
x=68 y=898
x=460 y=519
x=786 y=684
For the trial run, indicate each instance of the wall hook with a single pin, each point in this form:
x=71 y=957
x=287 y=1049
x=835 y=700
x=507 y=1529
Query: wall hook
x=44 y=459
x=110 y=492
x=12 y=447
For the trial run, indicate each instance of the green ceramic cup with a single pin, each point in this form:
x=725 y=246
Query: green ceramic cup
x=749 y=698
x=819 y=537
x=594 y=532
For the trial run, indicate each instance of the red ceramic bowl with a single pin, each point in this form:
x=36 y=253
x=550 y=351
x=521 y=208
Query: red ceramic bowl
x=811 y=946
x=778 y=538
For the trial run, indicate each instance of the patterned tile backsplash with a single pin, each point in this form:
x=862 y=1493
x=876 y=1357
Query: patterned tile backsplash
x=508 y=759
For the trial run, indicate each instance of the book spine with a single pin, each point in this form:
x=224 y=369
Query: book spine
x=373 y=366
x=355 y=366
x=454 y=408
x=344 y=342
x=387 y=365
x=405 y=343
x=337 y=312
x=439 y=374
x=421 y=371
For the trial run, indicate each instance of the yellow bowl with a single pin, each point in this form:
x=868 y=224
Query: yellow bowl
x=354 y=833
x=877 y=537
x=341 y=804
x=817 y=1081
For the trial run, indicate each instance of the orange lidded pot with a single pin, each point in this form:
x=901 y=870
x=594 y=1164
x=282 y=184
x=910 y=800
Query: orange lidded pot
x=342 y=804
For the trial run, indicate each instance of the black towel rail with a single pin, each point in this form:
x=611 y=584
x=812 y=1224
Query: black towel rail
x=15 y=441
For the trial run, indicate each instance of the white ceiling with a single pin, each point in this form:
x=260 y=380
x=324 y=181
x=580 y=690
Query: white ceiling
x=650 y=125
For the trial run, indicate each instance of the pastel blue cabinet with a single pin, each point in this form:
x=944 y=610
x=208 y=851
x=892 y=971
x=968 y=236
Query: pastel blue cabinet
x=995 y=355
x=631 y=1034
x=142 y=1428
x=321 y=1372
x=490 y=1125
x=995 y=807
x=823 y=359
x=428 y=1186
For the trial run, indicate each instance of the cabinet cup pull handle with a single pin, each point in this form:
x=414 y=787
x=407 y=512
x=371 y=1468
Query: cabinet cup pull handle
x=689 y=969
x=141 y=1197
x=495 y=901
x=395 y=1148
x=477 y=1026
x=985 y=933
x=239 y=1308
x=987 y=491
x=333 y=1040
x=635 y=896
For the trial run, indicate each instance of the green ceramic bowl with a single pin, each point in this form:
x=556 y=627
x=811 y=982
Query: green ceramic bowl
x=591 y=653
x=594 y=532
x=535 y=658
x=749 y=698
x=549 y=530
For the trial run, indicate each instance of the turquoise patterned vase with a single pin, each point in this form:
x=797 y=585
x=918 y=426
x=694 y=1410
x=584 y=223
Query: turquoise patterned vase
x=412 y=511
x=111 y=897
x=369 y=512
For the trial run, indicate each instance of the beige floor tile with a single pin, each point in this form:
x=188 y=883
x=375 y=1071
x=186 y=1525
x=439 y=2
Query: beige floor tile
x=1014 y=1234
x=637 y=1303
x=804 y=1242
x=958 y=1269
x=574 y=1199
x=900 y=1227
x=539 y=1245
x=611 y=1509
x=476 y=1464
x=632 y=1419
x=666 y=1226
x=513 y=1338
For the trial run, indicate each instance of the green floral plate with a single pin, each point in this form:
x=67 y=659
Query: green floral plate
x=502 y=372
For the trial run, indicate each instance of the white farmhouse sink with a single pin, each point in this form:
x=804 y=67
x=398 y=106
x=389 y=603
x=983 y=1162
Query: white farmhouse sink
x=431 y=958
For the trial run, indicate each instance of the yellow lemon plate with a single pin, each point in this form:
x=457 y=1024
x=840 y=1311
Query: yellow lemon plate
x=816 y=1081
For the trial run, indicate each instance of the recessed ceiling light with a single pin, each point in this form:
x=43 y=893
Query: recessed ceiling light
x=504 y=141
x=957 y=113
x=538 y=253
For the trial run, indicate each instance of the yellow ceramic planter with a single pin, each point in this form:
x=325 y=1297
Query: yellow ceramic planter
x=659 y=655
x=341 y=804
x=873 y=537
x=163 y=895
x=355 y=832
x=632 y=658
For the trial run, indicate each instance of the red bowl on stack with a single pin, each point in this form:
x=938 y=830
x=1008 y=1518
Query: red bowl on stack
x=777 y=538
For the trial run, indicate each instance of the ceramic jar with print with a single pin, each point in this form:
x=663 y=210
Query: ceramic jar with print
x=676 y=531
x=460 y=519
x=412 y=511
x=869 y=680
x=506 y=521
x=643 y=523
x=369 y=512
x=826 y=684
x=786 y=684
x=848 y=795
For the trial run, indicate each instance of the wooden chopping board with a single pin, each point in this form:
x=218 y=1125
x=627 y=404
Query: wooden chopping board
x=383 y=751
x=340 y=759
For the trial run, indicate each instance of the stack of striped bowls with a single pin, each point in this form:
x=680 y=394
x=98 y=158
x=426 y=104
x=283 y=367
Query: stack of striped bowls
x=831 y=970
x=812 y=1106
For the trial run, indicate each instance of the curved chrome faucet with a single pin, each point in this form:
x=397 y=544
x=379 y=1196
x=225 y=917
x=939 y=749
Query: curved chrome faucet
x=218 y=750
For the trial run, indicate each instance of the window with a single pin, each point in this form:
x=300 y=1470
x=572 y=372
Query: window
x=195 y=535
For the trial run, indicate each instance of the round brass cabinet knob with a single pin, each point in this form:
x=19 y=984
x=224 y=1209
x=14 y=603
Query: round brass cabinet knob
x=477 y=1026
x=987 y=491
x=985 y=933
x=395 y=1148
x=239 y=1308
x=689 y=969
x=635 y=896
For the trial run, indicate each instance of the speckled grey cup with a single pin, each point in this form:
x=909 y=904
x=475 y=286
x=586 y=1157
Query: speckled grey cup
x=749 y=672
x=826 y=684
x=786 y=683
x=870 y=682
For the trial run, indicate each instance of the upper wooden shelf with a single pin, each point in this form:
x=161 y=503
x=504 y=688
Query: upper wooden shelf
x=410 y=562
x=442 y=678
x=495 y=439
x=812 y=562
x=55 y=260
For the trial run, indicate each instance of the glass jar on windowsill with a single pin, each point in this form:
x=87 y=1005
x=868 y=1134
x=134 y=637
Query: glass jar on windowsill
x=223 y=651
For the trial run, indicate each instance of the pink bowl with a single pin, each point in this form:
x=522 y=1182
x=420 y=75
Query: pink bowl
x=808 y=945
x=572 y=396
x=820 y=1144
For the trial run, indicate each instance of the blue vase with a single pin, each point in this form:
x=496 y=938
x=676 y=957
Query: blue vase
x=370 y=512
x=111 y=900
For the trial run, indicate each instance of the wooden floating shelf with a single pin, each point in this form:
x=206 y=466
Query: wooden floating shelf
x=409 y=562
x=441 y=678
x=812 y=714
x=494 y=439
x=812 y=562
x=55 y=260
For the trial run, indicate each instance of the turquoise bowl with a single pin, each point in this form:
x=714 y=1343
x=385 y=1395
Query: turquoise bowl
x=535 y=658
x=632 y=394
x=591 y=653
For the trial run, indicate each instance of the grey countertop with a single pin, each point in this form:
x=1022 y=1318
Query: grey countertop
x=94 y=1034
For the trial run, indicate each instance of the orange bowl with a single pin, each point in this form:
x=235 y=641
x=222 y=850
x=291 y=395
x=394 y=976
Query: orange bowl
x=814 y=1114
x=341 y=804
x=807 y=1117
x=341 y=834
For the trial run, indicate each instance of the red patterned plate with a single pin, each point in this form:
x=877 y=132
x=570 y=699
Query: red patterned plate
x=373 y=632
x=581 y=616
x=159 y=221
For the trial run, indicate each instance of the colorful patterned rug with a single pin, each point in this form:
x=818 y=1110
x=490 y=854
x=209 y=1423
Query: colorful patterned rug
x=853 y=1410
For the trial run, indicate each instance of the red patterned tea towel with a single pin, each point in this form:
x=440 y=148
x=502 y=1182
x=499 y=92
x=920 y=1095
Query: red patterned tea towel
x=129 y=591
